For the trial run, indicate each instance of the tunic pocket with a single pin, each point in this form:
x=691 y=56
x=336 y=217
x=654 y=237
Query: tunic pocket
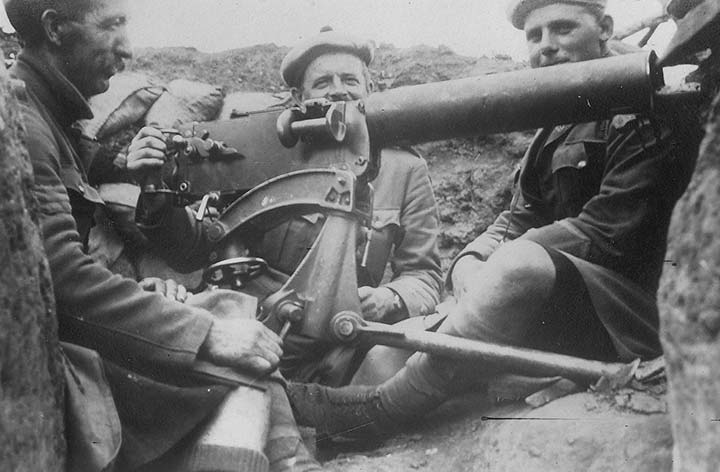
x=73 y=181
x=573 y=172
x=385 y=233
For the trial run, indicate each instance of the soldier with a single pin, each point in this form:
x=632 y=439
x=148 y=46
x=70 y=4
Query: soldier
x=405 y=223
x=573 y=265
x=164 y=368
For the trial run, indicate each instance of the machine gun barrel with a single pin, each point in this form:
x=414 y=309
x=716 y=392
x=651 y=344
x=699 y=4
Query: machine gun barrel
x=513 y=101
x=269 y=144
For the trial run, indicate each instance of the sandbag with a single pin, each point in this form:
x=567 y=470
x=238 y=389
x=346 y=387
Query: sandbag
x=241 y=103
x=130 y=96
x=116 y=225
x=121 y=246
x=185 y=101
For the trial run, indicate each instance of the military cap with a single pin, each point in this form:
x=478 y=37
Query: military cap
x=328 y=41
x=518 y=10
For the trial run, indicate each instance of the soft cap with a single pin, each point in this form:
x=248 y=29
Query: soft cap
x=518 y=10
x=328 y=41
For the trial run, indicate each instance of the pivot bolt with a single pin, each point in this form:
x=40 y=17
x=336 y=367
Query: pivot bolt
x=215 y=232
x=345 y=328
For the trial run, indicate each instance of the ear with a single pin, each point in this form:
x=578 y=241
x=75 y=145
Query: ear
x=607 y=28
x=53 y=26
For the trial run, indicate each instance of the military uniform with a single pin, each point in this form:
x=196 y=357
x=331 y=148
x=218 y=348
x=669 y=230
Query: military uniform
x=601 y=194
x=148 y=345
x=404 y=235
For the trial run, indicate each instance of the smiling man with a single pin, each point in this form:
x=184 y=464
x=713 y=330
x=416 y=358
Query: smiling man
x=405 y=226
x=145 y=375
x=564 y=32
x=572 y=267
x=334 y=66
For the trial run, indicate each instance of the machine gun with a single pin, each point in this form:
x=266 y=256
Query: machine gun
x=321 y=157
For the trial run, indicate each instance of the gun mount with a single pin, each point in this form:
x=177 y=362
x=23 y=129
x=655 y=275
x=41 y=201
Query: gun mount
x=322 y=156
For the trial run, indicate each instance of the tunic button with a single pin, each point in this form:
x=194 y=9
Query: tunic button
x=81 y=189
x=582 y=164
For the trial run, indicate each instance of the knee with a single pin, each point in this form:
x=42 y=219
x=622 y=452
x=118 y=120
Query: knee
x=522 y=264
x=513 y=287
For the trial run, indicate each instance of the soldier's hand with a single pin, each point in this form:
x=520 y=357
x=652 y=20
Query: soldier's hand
x=376 y=303
x=146 y=151
x=465 y=269
x=243 y=343
x=168 y=288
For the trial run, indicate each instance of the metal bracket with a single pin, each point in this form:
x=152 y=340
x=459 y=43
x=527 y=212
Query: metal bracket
x=305 y=191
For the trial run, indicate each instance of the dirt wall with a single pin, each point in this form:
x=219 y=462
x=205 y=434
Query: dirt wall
x=690 y=310
x=31 y=388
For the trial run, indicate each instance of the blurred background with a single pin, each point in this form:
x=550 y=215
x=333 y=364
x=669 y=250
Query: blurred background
x=467 y=27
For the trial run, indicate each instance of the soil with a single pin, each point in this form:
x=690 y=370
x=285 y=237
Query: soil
x=628 y=430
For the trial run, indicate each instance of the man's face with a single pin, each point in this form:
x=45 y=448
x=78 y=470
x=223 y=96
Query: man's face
x=337 y=76
x=96 y=47
x=564 y=33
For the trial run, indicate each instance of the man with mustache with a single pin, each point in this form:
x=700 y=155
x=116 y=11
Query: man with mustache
x=572 y=267
x=164 y=368
x=334 y=66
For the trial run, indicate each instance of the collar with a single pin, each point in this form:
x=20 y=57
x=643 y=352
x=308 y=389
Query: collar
x=57 y=94
x=592 y=132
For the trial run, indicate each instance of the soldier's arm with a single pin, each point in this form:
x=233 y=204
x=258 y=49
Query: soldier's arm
x=509 y=225
x=174 y=233
x=96 y=308
x=417 y=276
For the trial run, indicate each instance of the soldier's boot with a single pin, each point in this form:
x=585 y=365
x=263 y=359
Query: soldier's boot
x=351 y=412
x=366 y=412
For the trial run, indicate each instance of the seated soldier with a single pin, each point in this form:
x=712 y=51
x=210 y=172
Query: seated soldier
x=167 y=373
x=572 y=267
x=404 y=228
